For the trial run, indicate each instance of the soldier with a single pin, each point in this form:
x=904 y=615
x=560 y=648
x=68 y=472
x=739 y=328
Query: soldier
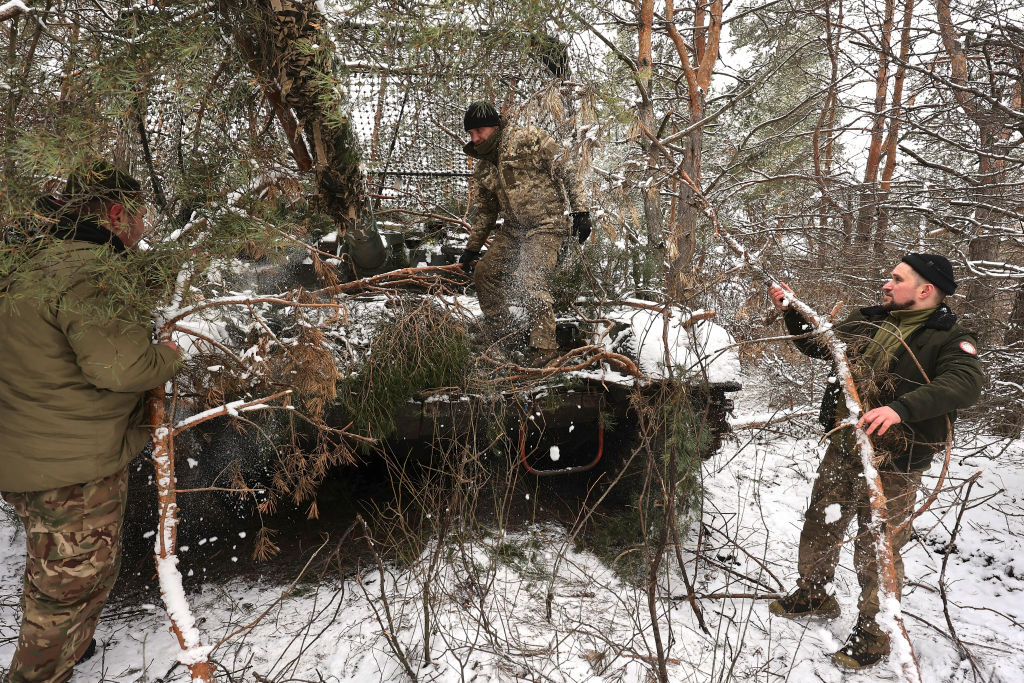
x=72 y=380
x=522 y=174
x=889 y=346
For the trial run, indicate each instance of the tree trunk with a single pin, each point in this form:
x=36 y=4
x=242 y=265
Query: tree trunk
x=707 y=31
x=652 y=192
x=1015 y=329
x=682 y=246
x=993 y=131
x=892 y=135
x=823 y=141
x=981 y=292
x=868 y=194
x=1014 y=424
x=287 y=44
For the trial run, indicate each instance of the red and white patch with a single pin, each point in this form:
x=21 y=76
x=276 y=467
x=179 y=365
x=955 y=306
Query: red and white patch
x=968 y=347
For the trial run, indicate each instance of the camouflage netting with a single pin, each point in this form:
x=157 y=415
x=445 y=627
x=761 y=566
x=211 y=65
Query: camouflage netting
x=410 y=156
x=407 y=109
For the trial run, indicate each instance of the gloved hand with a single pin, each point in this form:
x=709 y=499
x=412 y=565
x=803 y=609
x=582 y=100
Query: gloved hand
x=468 y=260
x=581 y=225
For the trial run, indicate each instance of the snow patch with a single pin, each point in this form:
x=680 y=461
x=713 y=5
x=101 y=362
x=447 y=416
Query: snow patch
x=665 y=339
x=833 y=513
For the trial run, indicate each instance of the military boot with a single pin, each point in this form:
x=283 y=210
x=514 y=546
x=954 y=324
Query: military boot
x=806 y=602
x=866 y=646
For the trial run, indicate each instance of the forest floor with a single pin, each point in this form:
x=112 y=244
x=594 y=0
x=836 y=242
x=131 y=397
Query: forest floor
x=488 y=593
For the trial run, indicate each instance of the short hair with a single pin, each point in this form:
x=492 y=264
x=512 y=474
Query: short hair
x=99 y=184
x=922 y=280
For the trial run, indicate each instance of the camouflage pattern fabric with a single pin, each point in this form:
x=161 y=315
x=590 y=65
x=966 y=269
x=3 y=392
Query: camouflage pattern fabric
x=536 y=185
x=840 y=483
x=517 y=271
x=302 y=61
x=73 y=538
x=533 y=187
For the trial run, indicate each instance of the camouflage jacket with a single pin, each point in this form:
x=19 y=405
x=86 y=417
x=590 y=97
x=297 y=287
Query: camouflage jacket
x=71 y=389
x=536 y=185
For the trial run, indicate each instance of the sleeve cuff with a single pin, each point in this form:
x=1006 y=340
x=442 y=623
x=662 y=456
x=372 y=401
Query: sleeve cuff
x=900 y=410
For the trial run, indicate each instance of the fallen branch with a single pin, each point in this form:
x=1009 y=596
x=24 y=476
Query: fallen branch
x=759 y=422
x=232 y=408
x=557 y=366
x=193 y=653
x=424 y=277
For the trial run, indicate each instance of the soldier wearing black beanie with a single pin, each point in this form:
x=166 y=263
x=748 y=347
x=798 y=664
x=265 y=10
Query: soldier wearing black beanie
x=915 y=367
x=524 y=177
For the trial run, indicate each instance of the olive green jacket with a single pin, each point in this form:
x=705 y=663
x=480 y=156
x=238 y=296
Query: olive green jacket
x=532 y=185
x=953 y=379
x=71 y=390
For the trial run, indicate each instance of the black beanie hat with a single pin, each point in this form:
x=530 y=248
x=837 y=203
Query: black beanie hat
x=480 y=114
x=934 y=268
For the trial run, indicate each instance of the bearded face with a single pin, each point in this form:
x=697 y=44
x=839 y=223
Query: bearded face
x=903 y=289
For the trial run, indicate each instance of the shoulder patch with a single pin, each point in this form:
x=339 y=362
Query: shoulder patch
x=968 y=347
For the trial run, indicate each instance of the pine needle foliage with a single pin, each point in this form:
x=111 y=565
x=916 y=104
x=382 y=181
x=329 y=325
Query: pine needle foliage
x=673 y=435
x=418 y=347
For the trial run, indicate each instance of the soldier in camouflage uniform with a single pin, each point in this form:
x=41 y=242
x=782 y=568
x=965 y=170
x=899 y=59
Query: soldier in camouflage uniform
x=914 y=367
x=71 y=394
x=523 y=176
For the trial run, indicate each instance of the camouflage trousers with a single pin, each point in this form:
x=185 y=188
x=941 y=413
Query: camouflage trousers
x=516 y=271
x=839 y=494
x=73 y=535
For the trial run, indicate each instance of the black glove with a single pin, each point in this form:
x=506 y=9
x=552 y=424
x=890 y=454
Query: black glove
x=468 y=260
x=581 y=225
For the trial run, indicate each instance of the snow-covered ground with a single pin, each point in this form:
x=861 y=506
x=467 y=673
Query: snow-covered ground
x=488 y=597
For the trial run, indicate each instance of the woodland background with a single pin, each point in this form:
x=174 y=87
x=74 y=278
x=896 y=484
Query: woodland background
x=827 y=138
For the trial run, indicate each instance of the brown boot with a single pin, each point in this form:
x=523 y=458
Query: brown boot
x=805 y=602
x=866 y=646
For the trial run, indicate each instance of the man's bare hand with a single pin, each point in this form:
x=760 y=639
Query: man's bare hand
x=778 y=294
x=878 y=419
x=172 y=345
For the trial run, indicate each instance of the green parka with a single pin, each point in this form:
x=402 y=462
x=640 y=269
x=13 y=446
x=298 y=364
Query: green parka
x=71 y=390
x=945 y=351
